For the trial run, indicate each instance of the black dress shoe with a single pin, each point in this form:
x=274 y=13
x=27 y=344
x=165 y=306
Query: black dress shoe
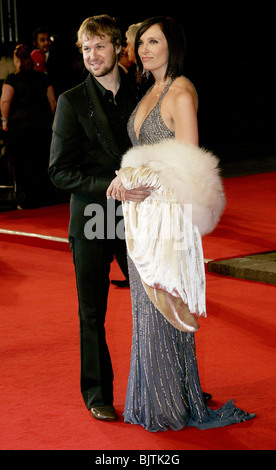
x=124 y=283
x=104 y=413
x=207 y=396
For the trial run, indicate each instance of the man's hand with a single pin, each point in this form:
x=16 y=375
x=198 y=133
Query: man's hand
x=117 y=190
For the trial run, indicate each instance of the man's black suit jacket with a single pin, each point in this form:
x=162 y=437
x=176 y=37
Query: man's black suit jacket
x=84 y=152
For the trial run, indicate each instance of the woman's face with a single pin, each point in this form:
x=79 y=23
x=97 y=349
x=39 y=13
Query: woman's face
x=153 y=50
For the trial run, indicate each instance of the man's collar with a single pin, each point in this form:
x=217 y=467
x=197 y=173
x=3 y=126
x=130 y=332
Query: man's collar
x=102 y=89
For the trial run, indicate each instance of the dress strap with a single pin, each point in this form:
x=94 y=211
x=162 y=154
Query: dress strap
x=165 y=89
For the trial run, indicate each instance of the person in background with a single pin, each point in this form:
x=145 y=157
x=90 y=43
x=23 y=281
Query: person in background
x=124 y=61
x=130 y=38
x=58 y=60
x=39 y=60
x=6 y=62
x=42 y=41
x=27 y=108
x=145 y=81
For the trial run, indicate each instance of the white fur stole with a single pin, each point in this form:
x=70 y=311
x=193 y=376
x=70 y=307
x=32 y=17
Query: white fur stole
x=190 y=172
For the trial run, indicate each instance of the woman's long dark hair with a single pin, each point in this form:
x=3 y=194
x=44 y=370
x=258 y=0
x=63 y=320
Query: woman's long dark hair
x=176 y=40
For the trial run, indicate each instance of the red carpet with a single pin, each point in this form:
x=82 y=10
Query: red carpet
x=41 y=406
x=248 y=223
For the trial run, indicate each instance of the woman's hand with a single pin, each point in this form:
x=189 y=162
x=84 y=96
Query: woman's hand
x=117 y=190
x=5 y=125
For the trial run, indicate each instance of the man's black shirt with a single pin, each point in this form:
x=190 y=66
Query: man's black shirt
x=118 y=110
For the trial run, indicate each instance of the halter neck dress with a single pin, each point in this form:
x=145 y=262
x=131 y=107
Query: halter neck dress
x=164 y=388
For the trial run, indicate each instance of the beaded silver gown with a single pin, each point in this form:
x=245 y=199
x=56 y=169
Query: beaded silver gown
x=164 y=388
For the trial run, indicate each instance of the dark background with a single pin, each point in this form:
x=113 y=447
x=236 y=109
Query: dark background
x=230 y=60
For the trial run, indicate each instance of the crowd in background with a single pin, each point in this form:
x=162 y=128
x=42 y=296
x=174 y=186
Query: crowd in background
x=31 y=80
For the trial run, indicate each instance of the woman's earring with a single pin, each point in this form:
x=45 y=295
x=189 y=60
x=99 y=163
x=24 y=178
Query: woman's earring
x=146 y=73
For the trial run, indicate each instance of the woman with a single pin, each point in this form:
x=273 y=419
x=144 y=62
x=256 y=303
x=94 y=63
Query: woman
x=166 y=262
x=141 y=83
x=27 y=107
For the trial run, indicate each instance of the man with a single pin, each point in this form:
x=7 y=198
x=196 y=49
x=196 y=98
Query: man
x=55 y=59
x=89 y=139
x=42 y=40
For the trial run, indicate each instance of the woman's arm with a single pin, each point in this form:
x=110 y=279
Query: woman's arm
x=6 y=99
x=51 y=98
x=184 y=117
x=179 y=111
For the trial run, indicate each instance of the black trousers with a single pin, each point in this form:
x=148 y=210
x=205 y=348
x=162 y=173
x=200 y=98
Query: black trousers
x=92 y=259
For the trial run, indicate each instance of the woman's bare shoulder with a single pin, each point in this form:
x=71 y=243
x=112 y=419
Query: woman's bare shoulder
x=182 y=91
x=183 y=85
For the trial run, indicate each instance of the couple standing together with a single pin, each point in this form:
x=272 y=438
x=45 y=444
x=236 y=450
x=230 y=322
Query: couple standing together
x=171 y=195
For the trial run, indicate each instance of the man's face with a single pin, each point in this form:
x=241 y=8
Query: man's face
x=99 y=55
x=43 y=42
